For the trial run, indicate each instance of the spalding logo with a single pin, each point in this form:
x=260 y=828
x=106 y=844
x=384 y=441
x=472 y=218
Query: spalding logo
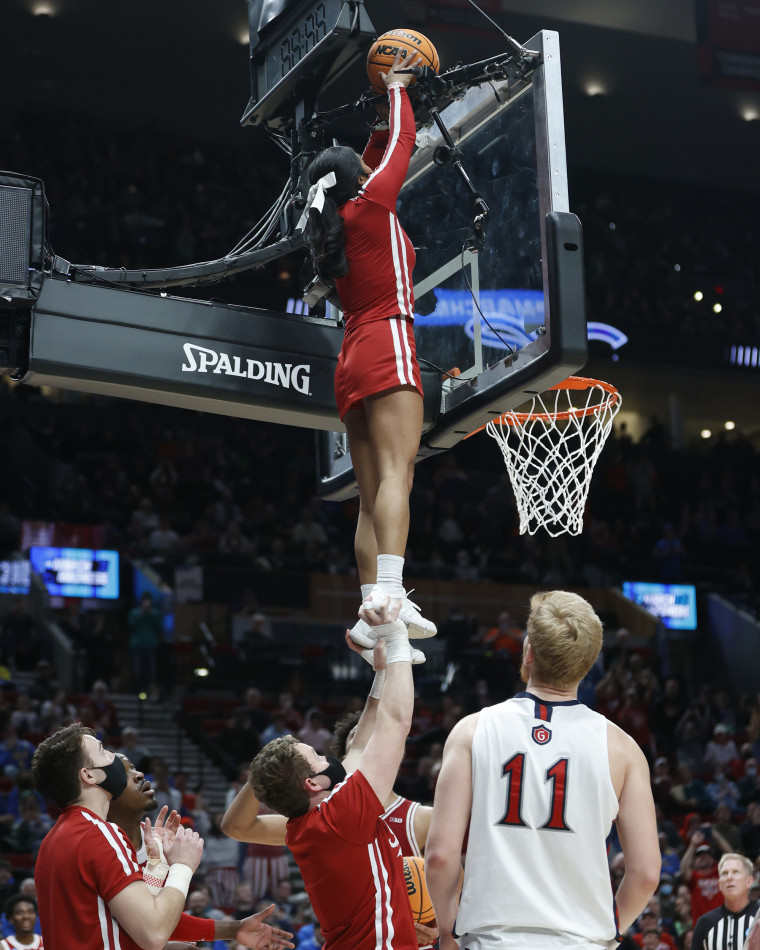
x=201 y=359
x=541 y=735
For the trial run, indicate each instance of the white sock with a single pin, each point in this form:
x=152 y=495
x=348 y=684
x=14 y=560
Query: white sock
x=390 y=572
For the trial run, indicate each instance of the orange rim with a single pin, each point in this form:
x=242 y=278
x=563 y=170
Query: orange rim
x=572 y=382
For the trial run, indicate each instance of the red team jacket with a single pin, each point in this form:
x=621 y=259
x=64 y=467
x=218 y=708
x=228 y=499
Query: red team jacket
x=381 y=256
x=351 y=865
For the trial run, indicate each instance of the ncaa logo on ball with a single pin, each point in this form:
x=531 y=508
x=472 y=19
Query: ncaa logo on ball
x=541 y=735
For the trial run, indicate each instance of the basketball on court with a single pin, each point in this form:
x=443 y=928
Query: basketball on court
x=416 y=888
x=383 y=52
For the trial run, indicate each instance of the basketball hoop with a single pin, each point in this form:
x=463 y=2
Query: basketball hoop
x=551 y=450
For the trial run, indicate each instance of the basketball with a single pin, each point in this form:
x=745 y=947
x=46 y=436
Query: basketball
x=383 y=52
x=416 y=888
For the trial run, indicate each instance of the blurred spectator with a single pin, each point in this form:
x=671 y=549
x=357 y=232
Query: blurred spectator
x=726 y=827
x=683 y=920
x=23 y=718
x=722 y=790
x=19 y=636
x=749 y=784
x=26 y=833
x=15 y=754
x=669 y=829
x=243 y=901
x=101 y=712
x=287 y=710
x=689 y=745
x=314 y=732
x=721 y=751
x=257 y=718
x=100 y=646
x=164 y=540
x=56 y=712
x=661 y=782
x=750 y=831
x=235 y=544
x=200 y=904
x=665 y=715
x=219 y=864
x=138 y=754
x=699 y=871
x=6 y=676
x=145 y=635
x=689 y=793
x=287 y=908
x=237 y=739
x=633 y=718
x=8 y=884
x=671 y=863
x=506 y=637
x=308 y=530
x=160 y=779
x=310 y=937
x=43 y=685
x=753 y=725
x=264 y=867
x=22 y=920
x=651 y=936
x=669 y=556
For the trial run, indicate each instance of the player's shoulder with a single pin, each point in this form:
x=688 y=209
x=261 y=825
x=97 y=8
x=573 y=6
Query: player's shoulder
x=618 y=739
x=462 y=734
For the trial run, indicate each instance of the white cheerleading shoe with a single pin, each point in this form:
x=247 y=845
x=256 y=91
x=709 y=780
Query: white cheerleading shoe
x=419 y=628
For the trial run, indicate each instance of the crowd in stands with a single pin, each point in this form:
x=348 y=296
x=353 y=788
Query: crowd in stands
x=177 y=489
x=702 y=744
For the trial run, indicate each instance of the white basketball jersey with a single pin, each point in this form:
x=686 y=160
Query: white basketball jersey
x=543 y=806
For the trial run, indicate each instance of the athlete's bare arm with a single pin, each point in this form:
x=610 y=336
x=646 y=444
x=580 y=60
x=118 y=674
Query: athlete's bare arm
x=636 y=825
x=422 y=818
x=366 y=725
x=451 y=815
x=687 y=858
x=151 y=919
x=243 y=822
x=385 y=749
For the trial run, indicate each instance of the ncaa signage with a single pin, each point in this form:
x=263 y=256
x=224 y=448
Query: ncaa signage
x=541 y=734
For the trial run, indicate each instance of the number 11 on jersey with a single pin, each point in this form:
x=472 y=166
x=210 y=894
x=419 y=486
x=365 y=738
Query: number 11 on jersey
x=556 y=777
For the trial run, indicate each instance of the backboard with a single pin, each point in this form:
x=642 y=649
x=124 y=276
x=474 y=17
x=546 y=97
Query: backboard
x=528 y=278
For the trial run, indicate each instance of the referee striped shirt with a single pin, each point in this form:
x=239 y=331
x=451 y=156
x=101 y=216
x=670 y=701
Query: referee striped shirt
x=722 y=929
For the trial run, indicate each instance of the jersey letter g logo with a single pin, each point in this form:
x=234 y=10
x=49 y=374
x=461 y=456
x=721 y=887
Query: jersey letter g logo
x=541 y=735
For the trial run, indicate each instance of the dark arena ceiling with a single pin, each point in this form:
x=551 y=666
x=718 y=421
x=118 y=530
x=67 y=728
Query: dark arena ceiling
x=634 y=99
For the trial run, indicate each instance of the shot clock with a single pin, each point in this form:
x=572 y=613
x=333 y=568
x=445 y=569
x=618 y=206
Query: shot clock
x=297 y=49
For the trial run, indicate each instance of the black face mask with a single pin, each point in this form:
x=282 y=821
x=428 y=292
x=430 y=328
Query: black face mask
x=116 y=777
x=334 y=772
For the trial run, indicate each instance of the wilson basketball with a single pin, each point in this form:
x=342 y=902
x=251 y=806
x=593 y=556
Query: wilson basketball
x=416 y=888
x=383 y=52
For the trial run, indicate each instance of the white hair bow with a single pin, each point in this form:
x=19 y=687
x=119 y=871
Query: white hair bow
x=316 y=198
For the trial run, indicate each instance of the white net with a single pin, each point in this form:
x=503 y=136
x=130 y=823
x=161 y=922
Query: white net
x=551 y=449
